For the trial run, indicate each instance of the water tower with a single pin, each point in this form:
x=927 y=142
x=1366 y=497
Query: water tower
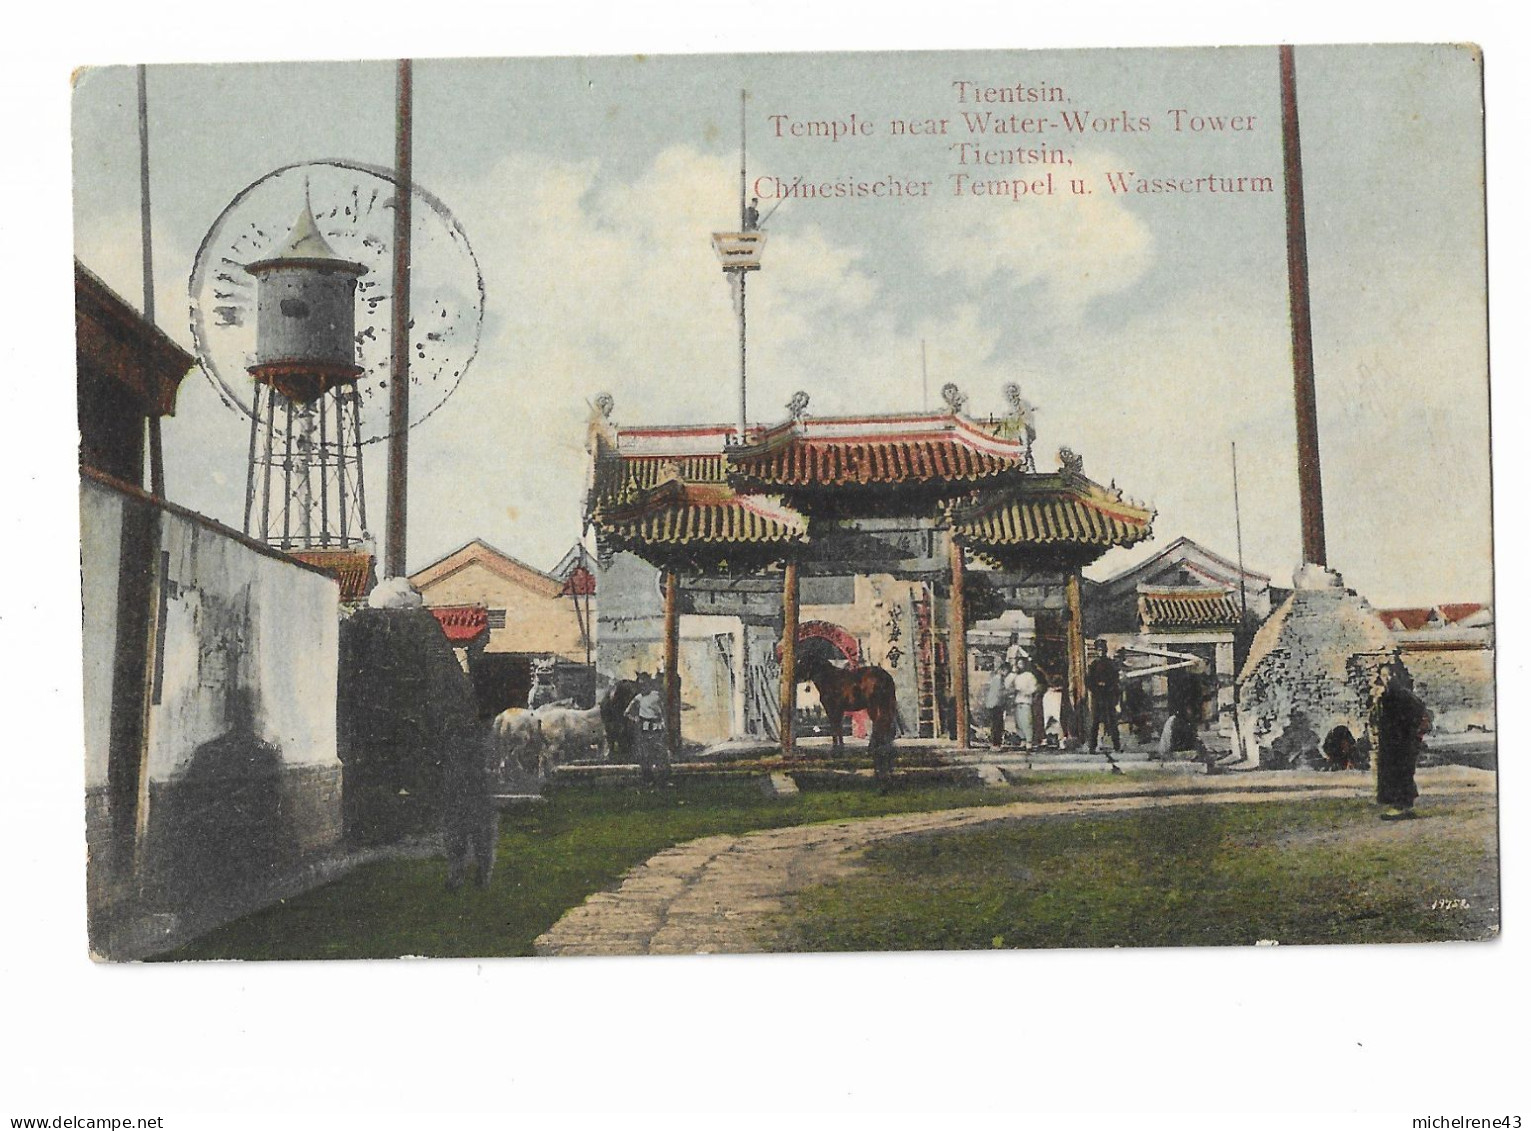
x=305 y=431
x=293 y=323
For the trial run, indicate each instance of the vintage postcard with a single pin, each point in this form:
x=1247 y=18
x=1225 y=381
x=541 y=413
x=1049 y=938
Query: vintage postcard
x=760 y=503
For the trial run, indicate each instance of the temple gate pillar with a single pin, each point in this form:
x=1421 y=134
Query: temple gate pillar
x=789 y=606
x=959 y=640
x=671 y=661
x=1075 y=644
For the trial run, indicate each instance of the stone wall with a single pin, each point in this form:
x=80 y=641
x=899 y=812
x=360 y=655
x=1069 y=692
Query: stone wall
x=1457 y=685
x=212 y=774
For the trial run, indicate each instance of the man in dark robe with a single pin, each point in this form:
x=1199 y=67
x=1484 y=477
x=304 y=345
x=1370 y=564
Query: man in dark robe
x=1401 y=720
x=1103 y=693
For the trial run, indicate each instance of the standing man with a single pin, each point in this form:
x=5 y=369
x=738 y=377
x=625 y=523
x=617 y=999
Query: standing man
x=1015 y=655
x=1023 y=686
x=1401 y=721
x=994 y=696
x=646 y=712
x=1103 y=696
x=1052 y=713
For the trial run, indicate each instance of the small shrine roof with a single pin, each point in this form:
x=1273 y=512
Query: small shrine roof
x=352 y=568
x=462 y=624
x=1187 y=607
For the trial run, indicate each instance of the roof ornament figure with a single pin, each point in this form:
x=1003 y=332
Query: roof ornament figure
x=1071 y=462
x=601 y=430
x=954 y=397
x=797 y=407
x=1019 y=423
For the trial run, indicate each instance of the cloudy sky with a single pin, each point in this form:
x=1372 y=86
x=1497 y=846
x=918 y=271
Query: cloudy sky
x=1150 y=330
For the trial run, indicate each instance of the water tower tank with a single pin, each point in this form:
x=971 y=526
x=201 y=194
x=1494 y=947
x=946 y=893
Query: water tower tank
x=305 y=335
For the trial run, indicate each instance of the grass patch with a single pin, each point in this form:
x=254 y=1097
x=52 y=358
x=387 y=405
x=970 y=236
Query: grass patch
x=1321 y=871
x=550 y=858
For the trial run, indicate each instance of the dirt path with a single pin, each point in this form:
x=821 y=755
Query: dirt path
x=715 y=895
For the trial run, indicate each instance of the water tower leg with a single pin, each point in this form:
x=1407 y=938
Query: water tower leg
x=343 y=500
x=265 y=512
x=324 y=471
x=250 y=474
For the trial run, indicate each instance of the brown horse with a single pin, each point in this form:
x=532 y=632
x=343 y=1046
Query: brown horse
x=867 y=689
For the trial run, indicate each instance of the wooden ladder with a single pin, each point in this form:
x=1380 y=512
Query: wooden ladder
x=928 y=721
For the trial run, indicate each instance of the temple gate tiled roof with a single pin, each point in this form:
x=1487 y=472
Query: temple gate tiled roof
x=696 y=489
x=623 y=480
x=680 y=514
x=843 y=451
x=1053 y=510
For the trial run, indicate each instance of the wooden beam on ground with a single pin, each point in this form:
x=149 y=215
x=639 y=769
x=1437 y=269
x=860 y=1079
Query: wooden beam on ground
x=789 y=608
x=959 y=640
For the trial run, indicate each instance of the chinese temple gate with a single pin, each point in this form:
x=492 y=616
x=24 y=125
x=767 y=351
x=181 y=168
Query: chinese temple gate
x=861 y=519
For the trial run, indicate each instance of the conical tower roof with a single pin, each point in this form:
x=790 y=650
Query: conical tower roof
x=306 y=244
x=305 y=241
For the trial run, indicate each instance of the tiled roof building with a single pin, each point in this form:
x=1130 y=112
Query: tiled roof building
x=907 y=498
x=660 y=488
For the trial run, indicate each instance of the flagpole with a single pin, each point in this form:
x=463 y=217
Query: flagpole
x=743 y=220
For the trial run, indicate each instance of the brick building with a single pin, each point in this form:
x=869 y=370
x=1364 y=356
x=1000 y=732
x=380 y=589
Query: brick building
x=517 y=617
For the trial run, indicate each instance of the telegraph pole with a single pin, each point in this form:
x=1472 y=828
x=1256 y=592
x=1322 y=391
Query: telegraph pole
x=398 y=371
x=156 y=449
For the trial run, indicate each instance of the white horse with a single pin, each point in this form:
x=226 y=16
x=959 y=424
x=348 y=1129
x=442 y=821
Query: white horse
x=539 y=741
x=569 y=734
x=517 y=740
